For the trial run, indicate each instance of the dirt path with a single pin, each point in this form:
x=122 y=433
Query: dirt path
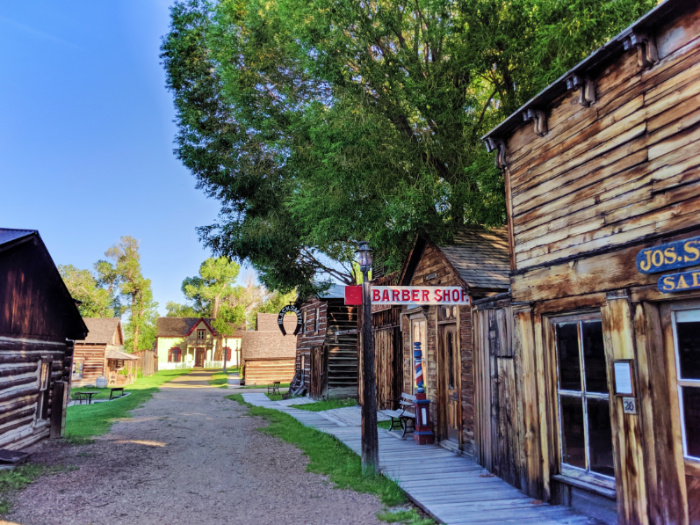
x=188 y=456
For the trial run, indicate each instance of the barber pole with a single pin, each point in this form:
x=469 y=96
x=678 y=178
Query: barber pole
x=423 y=434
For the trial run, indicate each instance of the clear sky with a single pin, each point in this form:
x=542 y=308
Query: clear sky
x=86 y=137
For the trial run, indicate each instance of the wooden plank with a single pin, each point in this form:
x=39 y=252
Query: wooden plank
x=663 y=456
x=630 y=484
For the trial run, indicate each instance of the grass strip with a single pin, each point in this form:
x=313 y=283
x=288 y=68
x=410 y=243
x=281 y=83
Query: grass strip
x=327 y=404
x=83 y=422
x=220 y=379
x=407 y=517
x=20 y=477
x=327 y=455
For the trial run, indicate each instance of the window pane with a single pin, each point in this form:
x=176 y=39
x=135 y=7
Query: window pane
x=691 y=415
x=594 y=357
x=567 y=349
x=689 y=349
x=572 y=439
x=600 y=437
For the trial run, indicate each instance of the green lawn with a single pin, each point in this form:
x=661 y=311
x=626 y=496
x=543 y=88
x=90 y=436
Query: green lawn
x=327 y=404
x=384 y=424
x=220 y=379
x=103 y=393
x=84 y=422
x=327 y=455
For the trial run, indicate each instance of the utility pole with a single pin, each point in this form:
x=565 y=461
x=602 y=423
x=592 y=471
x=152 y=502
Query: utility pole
x=370 y=438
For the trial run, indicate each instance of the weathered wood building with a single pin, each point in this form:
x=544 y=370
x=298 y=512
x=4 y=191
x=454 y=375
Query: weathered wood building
x=602 y=361
x=267 y=355
x=326 y=350
x=90 y=359
x=39 y=322
x=477 y=261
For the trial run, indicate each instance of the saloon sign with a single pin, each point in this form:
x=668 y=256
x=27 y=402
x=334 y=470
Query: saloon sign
x=678 y=254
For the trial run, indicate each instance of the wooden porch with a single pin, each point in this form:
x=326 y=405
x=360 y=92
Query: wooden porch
x=452 y=489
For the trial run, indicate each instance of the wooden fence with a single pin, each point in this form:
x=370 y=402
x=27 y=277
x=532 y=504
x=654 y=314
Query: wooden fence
x=148 y=363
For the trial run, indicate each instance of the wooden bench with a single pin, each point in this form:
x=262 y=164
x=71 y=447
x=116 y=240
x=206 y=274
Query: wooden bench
x=274 y=388
x=403 y=417
x=119 y=389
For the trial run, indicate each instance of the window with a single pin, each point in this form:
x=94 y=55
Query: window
x=447 y=313
x=303 y=322
x=175 y=355
x=201 y=334
x=686 y=335
x=42 y=409
x=318 y=315
x=78 y=366
x=584 y=401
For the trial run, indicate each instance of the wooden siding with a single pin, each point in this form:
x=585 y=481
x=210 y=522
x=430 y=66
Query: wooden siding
x=33 y=299
x=340 y=348
x=94 y=363
x=433 y=264
x=617 y=172
x=266 y=371
x=605 y=182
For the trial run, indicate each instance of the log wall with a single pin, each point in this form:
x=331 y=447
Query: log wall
x=26 y=411
x=94 y=363
x=267 y=371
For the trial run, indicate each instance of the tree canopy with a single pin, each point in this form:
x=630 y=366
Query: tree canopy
x=317 y=123
x=122 y=271
x=95 y=300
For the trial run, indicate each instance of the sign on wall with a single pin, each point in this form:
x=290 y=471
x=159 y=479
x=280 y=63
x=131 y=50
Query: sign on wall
x=450 y=295
x=679 y=282
x=285 y=311
x=678 y=254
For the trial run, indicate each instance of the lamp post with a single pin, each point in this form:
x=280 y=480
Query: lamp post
x=370 y=439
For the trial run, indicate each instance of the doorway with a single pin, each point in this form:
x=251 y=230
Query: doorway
x=450 y=403
x=199 y=357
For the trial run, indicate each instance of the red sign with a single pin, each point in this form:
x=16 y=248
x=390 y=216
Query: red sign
x=353 y=295
x=451 y=295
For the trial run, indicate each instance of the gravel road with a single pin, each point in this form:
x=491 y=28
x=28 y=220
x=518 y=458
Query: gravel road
x=188 y=456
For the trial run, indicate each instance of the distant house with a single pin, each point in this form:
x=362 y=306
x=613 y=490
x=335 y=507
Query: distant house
x=102 y=354
x=39 y=323
x=187 y=342
x=267 y=355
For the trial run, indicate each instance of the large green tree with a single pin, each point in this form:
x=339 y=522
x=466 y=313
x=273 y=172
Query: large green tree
x=95 y=301
x=320 y=122
x=123 y=270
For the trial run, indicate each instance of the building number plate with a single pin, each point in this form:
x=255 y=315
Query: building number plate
x=629 y=405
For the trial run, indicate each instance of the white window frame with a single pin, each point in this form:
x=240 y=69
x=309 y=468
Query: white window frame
x=567 y=469
x=691 y=312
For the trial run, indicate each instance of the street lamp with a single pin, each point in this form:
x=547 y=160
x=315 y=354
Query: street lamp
x=370 y=439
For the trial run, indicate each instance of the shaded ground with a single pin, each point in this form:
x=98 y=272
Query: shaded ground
x=188 y=456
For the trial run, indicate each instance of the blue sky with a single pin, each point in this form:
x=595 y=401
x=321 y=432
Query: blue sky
x=86 y=137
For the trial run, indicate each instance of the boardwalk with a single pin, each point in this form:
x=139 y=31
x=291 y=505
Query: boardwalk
x=451 y=488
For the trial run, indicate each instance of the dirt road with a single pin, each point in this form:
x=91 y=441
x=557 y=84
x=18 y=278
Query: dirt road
x=188 y=456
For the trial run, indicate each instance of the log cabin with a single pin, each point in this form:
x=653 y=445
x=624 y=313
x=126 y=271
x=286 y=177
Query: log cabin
x=268 y=355
x=326 y=347
x=602 y=176
x=39 y=324
x=477 y=261
x=89 y=359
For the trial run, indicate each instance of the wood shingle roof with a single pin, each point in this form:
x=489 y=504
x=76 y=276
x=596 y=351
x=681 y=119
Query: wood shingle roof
x=480 y=257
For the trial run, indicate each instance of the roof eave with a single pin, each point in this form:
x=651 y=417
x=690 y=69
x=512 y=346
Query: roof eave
x=592 y=63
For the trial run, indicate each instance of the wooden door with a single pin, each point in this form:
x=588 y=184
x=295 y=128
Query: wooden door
x=450 y=406
x=317 y=371
x=199 y=357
